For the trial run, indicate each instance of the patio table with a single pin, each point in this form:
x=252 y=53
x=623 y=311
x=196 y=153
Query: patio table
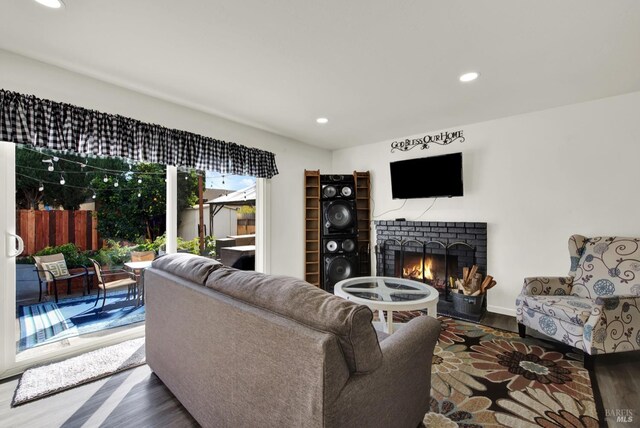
x=141 y=266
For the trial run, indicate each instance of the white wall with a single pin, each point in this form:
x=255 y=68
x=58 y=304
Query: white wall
x=21 y=74
x=535 y=179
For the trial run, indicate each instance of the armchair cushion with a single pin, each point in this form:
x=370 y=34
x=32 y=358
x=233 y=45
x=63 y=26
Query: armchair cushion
x=55 y=269
x=572 y=309
x=56 y=266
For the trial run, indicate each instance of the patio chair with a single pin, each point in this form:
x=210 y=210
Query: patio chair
x=52 y=269
x=104 y=285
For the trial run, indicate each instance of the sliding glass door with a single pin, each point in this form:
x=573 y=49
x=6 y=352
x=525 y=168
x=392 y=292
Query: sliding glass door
x=11 y=246
x=44 y=199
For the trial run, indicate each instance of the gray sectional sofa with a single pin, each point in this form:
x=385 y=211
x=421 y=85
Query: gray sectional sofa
x=244 y=349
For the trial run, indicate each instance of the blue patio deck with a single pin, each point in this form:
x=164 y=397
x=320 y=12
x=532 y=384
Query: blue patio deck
x=49 y=322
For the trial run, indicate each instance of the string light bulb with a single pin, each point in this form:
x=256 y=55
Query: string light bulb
x=139 y=193
x=50 y=162
x=105 y=179
x=116 y=184
x=41 y=188
x=62 y=180
x=139 y=180
x=94 y=195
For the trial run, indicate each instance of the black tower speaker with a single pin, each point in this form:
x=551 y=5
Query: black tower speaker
x=339 y=232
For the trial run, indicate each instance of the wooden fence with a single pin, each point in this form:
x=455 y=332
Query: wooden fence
x=246 y=224
x=40 y=229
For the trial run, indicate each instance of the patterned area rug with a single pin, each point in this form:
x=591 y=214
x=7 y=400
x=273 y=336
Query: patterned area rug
x=485 y=377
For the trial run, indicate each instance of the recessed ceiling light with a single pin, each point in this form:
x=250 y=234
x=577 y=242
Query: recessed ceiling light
x=468 y=77
x=322 y=120
x=53 y=4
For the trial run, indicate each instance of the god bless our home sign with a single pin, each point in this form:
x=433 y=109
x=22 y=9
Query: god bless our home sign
x=442 y=139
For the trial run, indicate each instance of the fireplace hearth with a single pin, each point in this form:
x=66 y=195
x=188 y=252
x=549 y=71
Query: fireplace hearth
x=431 y=252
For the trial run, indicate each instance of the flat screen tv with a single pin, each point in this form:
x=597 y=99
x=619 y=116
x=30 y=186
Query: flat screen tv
x=434 y=176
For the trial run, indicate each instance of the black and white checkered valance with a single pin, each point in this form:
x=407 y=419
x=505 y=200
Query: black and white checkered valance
x=25 y=119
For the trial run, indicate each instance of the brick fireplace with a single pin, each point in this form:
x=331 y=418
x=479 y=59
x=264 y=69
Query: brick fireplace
x=430 y=252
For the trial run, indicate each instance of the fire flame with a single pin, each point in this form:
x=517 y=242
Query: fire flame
x=415 y=271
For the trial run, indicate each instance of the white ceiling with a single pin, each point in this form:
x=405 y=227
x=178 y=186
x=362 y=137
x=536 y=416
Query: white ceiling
x=378 y=70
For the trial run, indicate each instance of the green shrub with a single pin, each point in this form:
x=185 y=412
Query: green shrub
x=192 y=246
x=24 y=260
x=246 y=209
x=114 y=254
x=72 y=255
x=210 y=245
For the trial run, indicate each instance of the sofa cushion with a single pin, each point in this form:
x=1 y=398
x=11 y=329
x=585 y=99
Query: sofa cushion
x=309 y=305
x=608 y=266
x=575 y=310
x=188 y=266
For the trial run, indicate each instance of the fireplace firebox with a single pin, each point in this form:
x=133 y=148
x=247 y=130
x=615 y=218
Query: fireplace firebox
x=432 y=269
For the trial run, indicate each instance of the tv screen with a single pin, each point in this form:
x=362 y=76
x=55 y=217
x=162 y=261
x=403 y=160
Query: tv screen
x=427 y=177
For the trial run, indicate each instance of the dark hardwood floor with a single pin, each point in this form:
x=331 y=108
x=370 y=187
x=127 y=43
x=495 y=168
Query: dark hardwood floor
x=133 y=398
x=137 y=398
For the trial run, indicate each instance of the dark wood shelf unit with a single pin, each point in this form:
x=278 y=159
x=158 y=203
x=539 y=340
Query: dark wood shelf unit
x=312 y=227
x=312 y=221
x=363 y=206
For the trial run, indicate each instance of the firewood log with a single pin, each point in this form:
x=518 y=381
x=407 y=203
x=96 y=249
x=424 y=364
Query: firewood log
x=475 y=283
x=486 y=283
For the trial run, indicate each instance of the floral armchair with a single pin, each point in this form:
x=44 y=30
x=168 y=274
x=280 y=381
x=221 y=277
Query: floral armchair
x=597 y=307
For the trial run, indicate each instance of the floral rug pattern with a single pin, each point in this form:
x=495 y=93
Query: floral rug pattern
x=484 y=377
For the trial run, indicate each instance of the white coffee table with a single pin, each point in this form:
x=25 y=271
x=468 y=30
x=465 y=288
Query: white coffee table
x=389 y=294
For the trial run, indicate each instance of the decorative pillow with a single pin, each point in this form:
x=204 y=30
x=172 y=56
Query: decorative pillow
x=58 y=269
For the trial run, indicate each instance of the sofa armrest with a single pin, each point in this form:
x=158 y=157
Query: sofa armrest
x=405 y=375
x=547 y=285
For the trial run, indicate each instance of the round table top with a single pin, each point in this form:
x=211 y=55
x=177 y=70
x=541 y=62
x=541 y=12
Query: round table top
x=387 y=293
x=138 y=265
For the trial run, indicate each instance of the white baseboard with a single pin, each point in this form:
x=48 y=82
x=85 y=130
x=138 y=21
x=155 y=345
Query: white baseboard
x=501 y=310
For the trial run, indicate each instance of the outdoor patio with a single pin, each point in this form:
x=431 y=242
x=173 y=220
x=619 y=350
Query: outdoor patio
x=40 y=323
